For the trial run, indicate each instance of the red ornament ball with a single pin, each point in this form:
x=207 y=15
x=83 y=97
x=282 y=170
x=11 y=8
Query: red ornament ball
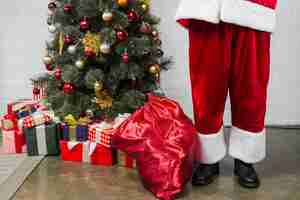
x=57 y=74
x=49 y=67
x=132 y=16
x=68 y=40
x=89 y=52
x=68 y=8
x=122 y=35
x=51 y=6
x=68 y=88
x=125 y=57
x=84 y=24
x=36 y=91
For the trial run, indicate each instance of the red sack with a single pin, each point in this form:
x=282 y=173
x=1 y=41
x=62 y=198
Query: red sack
x=164 y=142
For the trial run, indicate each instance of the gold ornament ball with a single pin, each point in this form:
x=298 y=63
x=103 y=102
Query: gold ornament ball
x=145 y=7
x=107 y=16
x=154 y=69
x=48 y=60
x=105 y=48
x=122 y=3
x=79 y=64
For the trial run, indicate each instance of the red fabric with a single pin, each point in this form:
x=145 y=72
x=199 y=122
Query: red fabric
x=104 y=156
x=230 y=58
x=75 y=154
x=164 y=142
x=267 y=3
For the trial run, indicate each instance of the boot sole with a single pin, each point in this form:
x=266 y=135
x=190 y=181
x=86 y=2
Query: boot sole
x=247 y=185
x=207 y=182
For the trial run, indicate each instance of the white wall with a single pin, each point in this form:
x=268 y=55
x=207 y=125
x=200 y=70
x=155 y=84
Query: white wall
x=23 y=31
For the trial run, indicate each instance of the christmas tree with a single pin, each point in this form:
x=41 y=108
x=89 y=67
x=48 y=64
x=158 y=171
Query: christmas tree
x=103 y=56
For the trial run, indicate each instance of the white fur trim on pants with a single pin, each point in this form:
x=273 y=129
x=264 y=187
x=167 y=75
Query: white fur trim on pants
x=248 y=14
x=207 y=10
x=246 y=146
x=213 y=147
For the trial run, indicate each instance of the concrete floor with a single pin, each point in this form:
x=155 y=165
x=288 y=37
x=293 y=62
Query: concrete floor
x=58 y=180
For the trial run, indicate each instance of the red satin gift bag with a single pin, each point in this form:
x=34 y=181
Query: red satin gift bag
x=165 y=144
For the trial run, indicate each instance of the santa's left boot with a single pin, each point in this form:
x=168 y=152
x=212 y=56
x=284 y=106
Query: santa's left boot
x=246 y=174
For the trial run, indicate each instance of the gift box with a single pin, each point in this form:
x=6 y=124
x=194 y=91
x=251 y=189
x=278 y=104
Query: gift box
x=42 y=140
x=10 y=120
x=38 y=118
x=74 y=133
x=13 y=141
x=124 y=160
x=87 y=152
x=22 y=104
x=100 y=134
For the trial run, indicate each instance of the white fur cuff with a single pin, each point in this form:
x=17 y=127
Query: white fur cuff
x=246 y=146
x=206 y=10
x=249 y=14
x=212 y=147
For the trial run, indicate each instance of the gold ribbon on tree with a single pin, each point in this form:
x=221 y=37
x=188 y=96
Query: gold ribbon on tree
x=92 y=41
x=102 y=99
x=61 y=43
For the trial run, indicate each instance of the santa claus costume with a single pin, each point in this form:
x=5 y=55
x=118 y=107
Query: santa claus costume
x=229 y=52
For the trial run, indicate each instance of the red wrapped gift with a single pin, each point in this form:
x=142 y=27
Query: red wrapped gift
x=87 y=152
x=13 y=141
x=124 y=160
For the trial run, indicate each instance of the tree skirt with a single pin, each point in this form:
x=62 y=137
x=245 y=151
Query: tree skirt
x=14 y=169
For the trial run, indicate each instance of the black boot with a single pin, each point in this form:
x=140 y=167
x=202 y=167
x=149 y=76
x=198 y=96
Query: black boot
x=205 y=174
x=246 y=174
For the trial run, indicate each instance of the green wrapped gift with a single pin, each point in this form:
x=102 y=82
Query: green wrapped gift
x=42 y=140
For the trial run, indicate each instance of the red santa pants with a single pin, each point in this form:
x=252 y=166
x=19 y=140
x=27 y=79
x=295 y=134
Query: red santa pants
x=228 y=58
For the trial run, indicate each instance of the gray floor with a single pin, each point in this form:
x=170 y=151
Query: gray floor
x=58 y=180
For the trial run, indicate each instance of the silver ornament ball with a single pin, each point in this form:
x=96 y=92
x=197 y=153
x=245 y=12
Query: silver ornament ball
x=52 y=28
x=105 y=48
x=79 y=64
x=72 y=49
